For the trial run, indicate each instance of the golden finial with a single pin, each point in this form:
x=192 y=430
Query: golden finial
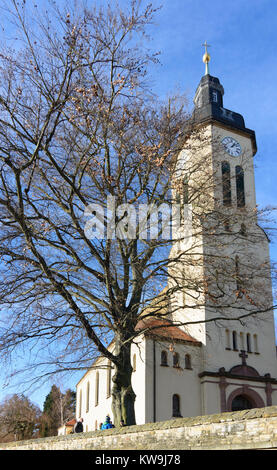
x=206 y=57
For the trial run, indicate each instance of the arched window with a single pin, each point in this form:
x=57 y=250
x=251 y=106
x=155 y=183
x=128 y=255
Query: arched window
x=226 y=184
x=256 y=350
x=176 y=361
x=248 y=342
x=235 y=342
x=176 y=406
x=228 y=343
x=164 y=358
x=109 y=379
x=96 y=388
x=188 y=361
x=241 y=336
x=87 y=404
x=80 y=404
x=240 y=186
x=214 y=96
x=134 y=363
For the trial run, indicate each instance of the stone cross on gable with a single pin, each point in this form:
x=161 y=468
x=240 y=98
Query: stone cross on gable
x=243 y=356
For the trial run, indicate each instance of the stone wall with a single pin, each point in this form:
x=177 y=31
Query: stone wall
x=248 y=429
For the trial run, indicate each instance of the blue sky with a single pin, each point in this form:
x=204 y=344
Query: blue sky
x=242 y=34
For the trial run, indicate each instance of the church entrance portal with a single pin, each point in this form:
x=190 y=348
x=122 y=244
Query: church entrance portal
x=244 y=398
x=241 y=402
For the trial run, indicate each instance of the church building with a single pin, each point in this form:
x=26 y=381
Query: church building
x=208 y=361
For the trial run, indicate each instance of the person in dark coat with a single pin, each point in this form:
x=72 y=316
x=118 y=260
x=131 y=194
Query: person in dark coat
x=79 y=426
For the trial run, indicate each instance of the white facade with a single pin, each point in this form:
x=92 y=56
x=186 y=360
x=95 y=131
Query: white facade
x=154 y=384
x=217 y=377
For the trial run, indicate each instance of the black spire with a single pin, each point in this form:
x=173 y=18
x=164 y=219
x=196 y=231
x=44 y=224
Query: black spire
x=209 y=90
x=208 y=103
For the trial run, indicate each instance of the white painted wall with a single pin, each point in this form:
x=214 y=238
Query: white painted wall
x=181 y=381
x=96 y=413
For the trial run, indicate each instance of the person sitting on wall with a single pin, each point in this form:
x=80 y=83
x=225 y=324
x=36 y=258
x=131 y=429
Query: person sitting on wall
x=107 y=424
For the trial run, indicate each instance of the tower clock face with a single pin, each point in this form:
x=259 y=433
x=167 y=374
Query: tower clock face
x=231 y=146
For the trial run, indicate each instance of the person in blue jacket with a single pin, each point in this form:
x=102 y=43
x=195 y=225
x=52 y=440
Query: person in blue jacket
x=107 y=424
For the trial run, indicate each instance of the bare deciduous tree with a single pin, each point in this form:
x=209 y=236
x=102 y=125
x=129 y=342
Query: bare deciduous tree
x=78 y=125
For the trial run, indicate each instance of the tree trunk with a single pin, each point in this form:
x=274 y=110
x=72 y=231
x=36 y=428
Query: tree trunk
x=123 y=396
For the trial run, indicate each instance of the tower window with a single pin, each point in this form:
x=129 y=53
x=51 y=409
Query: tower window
x=214 y=96
x=185 y=190
x=227 y=225
x=240 y=186
x=243 y=230
x=176 y=406
x=226 y=184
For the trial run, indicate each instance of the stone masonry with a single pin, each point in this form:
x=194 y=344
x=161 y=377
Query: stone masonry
x=247 y=429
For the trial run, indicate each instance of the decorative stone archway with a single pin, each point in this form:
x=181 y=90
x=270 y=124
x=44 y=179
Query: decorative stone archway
x=251 y=395
x=244 y=373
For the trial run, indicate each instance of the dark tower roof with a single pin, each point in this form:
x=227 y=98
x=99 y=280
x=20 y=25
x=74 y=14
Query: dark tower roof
x=208 y=102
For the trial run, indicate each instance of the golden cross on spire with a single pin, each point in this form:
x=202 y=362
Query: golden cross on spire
x=206 y=57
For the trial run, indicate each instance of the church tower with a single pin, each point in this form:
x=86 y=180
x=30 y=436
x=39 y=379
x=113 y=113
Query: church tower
x=223 y=257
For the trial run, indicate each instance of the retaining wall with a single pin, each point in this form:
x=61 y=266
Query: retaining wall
x=248 y=429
